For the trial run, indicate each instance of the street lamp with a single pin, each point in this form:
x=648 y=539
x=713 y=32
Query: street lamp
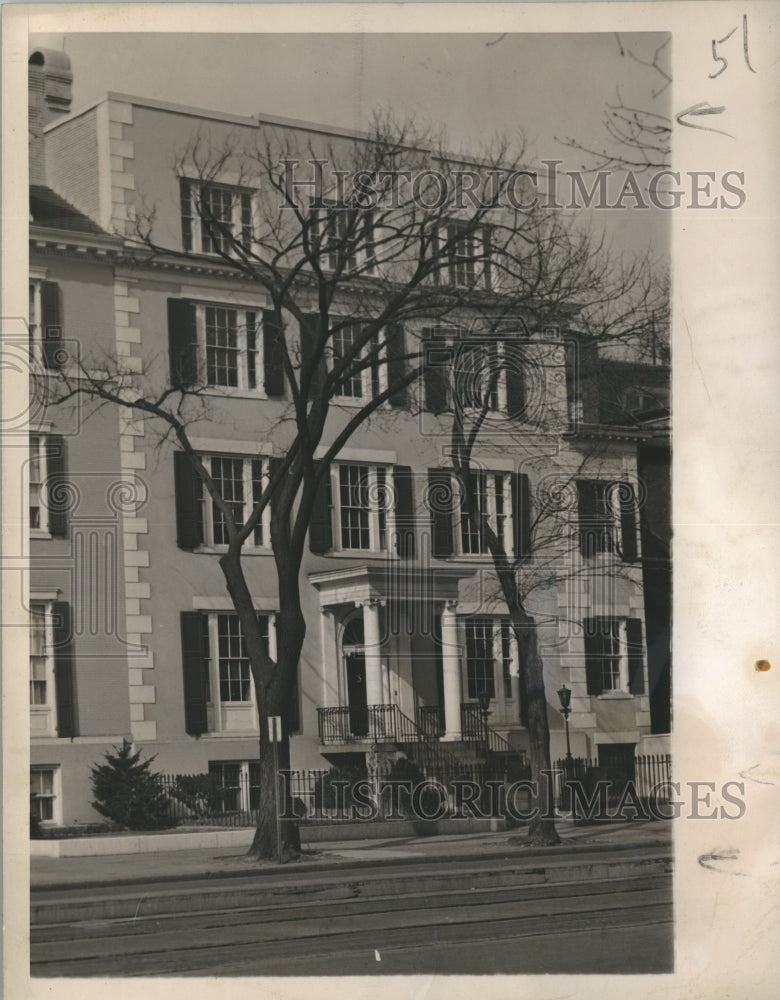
x=484 y=706
x=564 y=696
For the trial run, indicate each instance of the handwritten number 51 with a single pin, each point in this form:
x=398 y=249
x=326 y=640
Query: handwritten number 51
x=723 y=59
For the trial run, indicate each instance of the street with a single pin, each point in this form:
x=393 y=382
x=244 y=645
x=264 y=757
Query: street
x=615 y=914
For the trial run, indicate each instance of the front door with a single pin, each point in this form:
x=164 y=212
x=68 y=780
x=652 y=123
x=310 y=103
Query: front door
x=356 y=693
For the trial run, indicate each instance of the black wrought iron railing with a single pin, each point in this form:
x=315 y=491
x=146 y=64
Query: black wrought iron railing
x=474 y=728
x=430 y=720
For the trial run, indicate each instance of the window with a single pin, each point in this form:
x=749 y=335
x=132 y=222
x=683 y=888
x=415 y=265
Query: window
x=490 y=658
x=39 y=518
x=42 y=692
x=229 y=346
x=468 y=372
x=614 y=656
x=367 y=381
x=492 y=494
x=363 y=507
x=43 y=799
x=236 y=784
x=241 y=482
x=468 y=255
x=480 y=377
x=346 y=237
x=227 y=676
x=45 y=324
x=213 y=216
x=607 y=518
x=48 y=499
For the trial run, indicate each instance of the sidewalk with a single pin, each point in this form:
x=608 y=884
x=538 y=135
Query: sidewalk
x=210 y=862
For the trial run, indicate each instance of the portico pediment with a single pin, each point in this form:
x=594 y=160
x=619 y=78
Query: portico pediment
x=397 y=581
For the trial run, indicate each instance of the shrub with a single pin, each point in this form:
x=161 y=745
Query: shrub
x=127 y=792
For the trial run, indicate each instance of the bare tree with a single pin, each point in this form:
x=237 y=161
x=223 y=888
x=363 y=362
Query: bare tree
x=349 y=274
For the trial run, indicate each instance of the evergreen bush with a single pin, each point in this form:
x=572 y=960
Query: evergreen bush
x=127 y=792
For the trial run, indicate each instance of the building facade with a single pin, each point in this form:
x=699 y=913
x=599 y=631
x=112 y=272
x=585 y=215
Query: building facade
x=133 y=635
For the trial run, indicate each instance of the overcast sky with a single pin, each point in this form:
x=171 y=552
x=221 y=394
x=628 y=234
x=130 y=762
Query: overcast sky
x=543 y=87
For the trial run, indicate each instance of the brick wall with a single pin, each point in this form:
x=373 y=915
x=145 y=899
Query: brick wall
x=72 y=163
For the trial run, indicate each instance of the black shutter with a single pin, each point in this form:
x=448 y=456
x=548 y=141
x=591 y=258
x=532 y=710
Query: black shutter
x=51 y=325
x=594 y=654
x=194 y=662
x=273 y=355
x=64 y=680
x=441 y=503
x=321 y=527
x=521 y=514
x=56 y=493
x=636 y=660
x=589 y=511
x=274 y=464
x=182 y=342
x=189 y=502
x=404 y=511
x=488 y=264
x=628 y=549
x=373 y=347
x=309 y=337
x=396 y=363
x=436 y=365
x=514 y=366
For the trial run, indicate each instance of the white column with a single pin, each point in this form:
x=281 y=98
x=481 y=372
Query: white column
x=373 y=652
x=514 y=671
x=450 y=671
x=272 y=649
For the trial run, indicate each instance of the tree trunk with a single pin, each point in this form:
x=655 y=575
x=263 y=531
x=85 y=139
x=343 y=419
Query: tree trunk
x=274 y=686
x=541 y=830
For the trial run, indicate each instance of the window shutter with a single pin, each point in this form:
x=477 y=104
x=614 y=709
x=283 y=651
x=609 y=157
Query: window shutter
x=514 y=363
x=404 y=511
x=588 y=494
x=521 y=514
x=636 y=660
x=309 y=335
x=594 y=654
x=441 y=503
x=182 y=342
x=56 y=493
x=435 y=372
x=273 y=354
x=64 y=680
x=374 y=356
x=321 y=527
x=189 y=502
x=51 y=325
x=194 y=664
x=274 y=465
x=487 y=265
x=396 y=363
x=628 y=548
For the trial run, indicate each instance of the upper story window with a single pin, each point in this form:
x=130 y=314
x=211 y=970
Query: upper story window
x=45 y=324
x=492 y=492
x=43 y=719
x=47 y=502
x=607 y=518
x=240 y=482
x=346 y=237
x=468 y=254
x=614 y=655
x=214 y=216
x=362 y=379
x=472 y=372
x=362 y=507
x=229 y=346
x=480 y=377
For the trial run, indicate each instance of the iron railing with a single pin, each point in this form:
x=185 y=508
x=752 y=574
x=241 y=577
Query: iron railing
x=473 y=727
x=648 y=774
x=430 y=720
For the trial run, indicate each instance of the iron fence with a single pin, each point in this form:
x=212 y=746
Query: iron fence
x=640 y=783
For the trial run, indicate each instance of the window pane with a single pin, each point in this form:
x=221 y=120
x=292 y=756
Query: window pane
x=228 y=476
x=344 y=340
x=234 y=671
x=222 y=353
x=354 y=506
x=479 y=657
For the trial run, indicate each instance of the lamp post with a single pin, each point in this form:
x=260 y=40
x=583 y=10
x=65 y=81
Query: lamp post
x=564 y=696
x=484 y=706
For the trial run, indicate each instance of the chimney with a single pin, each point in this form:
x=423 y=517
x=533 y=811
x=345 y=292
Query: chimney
x=49 y=82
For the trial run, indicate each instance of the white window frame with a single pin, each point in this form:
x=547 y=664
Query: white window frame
x=242 y=348
x=366 y=375
x=506 y=536
x=323 y=212
x=43 y=715
x=244 y=781
x=621 y=675
x=38 y=456
x=503 y=698
x=498 y=404
x=55 y=796
x=373 y=511
x=231 y=717
x=35 y=319
x=198 y=233
x=210 y=508
x=460 y=260
x=613 y=524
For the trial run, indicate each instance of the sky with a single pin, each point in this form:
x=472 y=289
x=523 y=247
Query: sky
x=534 y=89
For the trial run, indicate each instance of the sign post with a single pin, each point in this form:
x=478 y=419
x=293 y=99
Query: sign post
x=274 y=736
